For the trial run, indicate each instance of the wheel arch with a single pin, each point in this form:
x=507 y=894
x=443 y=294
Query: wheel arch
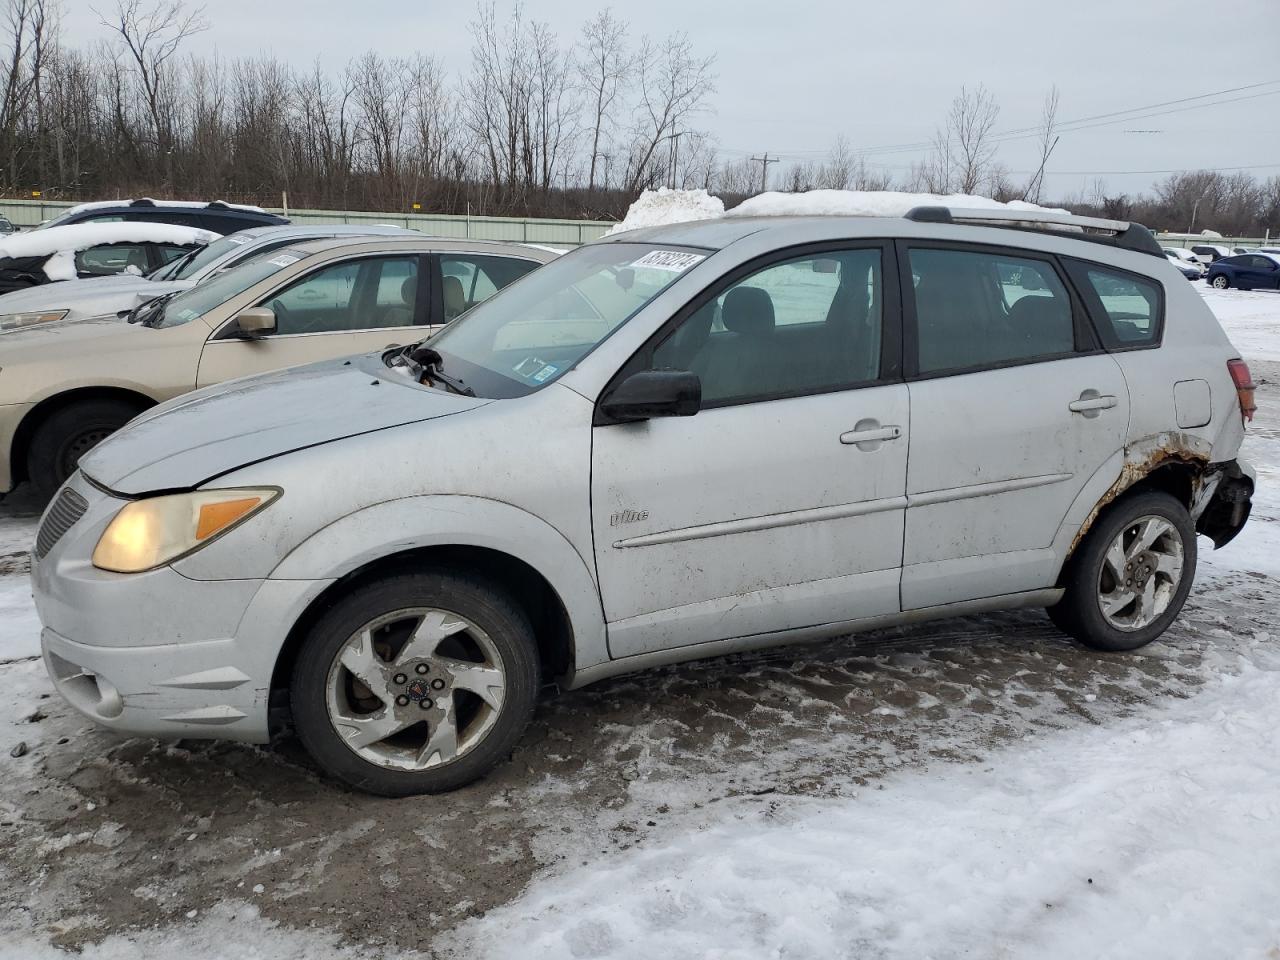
x=531 y=591
x=1175 y=463
x=545 y=574
x=49 y=405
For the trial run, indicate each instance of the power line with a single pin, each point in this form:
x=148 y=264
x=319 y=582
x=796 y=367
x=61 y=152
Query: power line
x=1067 y=126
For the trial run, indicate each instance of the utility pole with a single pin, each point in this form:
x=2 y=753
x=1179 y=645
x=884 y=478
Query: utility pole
x=1194 y=208
x=764 y=169
x=675 y=159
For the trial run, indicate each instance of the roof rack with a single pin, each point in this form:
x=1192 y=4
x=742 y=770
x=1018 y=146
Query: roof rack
x=1119 y=233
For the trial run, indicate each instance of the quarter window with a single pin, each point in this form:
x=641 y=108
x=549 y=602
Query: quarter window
x=976 y=309
x=802 y=326
x=1128 y=308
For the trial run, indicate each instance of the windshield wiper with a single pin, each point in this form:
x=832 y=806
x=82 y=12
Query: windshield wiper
x=152 y=309
x=431 y=363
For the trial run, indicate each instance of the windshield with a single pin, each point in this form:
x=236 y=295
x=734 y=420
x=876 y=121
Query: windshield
x=216 y=291
x=539 y=327
x=187 y=267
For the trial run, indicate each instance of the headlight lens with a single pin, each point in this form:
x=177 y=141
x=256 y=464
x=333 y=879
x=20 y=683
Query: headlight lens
x=12 y=321
x=150 y=533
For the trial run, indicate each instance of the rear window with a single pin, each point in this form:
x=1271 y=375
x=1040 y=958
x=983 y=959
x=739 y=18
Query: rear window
x=1128 y=309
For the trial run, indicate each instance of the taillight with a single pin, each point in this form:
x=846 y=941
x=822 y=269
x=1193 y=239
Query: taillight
x=1244 y=387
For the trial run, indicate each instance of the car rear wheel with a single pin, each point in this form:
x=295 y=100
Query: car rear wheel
x=1220 y=281
x=1131 y=576
x=68 y=434
x=418 y=683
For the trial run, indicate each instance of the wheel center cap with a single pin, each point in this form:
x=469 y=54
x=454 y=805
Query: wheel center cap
x=418 y=690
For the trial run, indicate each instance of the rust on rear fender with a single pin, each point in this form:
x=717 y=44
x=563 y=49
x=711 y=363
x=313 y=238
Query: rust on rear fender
x=1145 y=456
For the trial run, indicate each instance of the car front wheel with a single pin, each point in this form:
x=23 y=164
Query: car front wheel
x=68 y=434
x=1220 y=281
x=418 y=683
x=1131 y=576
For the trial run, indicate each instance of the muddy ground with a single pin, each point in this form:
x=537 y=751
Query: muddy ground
x=100 y=834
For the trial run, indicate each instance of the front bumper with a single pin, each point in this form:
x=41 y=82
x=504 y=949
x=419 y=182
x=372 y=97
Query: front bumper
x=156 y=653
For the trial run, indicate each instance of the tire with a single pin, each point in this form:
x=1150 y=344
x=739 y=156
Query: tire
x=383 y=747
x=69 y=433
x=1091 y=580
x=1219 y=281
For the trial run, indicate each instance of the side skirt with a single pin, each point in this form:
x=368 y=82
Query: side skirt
x=719 y=648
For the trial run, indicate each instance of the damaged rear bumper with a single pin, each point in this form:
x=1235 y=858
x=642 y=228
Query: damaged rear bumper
x=1224 y=501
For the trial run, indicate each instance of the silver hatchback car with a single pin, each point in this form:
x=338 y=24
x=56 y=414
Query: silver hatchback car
x=674 y=443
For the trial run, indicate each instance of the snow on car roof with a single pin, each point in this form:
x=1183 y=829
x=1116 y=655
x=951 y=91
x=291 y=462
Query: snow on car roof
x=103 y=204
x=664 y=207
x=81 y=236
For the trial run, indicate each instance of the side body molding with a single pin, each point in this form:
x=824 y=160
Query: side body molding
x=394 y=526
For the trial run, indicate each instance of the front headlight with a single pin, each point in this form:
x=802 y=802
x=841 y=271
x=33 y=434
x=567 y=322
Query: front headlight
x=12 y=321
x=150 y=533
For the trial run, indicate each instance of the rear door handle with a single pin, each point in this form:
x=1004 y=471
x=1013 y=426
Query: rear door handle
x=869 y=434
x=1091 y=403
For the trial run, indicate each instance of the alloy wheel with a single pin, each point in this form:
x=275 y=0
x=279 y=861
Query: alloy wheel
x=1140 y=574
x=415 y=688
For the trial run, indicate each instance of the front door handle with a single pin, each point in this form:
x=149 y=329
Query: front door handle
x=868 y=434
x=1092 y=403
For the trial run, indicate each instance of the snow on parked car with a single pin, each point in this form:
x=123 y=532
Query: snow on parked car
x=93 y=249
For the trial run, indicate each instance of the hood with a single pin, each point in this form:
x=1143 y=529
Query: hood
x=99 y=335
x=90 y=297
x=186 y=441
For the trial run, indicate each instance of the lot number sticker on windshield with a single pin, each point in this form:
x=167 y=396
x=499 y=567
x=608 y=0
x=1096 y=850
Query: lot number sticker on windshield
x=237 y=239
x=283 y=260
x=675 y=261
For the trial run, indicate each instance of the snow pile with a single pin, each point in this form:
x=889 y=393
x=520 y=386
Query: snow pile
x=103 y=204
x=865 y=203
x=654 y=208
x=1155 y=837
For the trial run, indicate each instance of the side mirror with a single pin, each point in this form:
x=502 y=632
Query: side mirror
x=255 y=322
x=653 y=393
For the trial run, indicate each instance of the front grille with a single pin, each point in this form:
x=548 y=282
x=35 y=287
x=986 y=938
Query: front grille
x=65 y=511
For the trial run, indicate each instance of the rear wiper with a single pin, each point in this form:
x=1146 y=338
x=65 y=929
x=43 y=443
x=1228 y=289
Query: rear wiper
x=431 y=363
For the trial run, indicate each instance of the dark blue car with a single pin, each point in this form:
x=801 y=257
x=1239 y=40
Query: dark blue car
x=1246 y=271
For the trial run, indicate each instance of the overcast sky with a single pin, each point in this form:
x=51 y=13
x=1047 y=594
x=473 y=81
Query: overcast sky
x=794 y=74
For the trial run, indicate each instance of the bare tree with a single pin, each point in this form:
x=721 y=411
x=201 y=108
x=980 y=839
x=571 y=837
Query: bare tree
x=26 y=27
x=1048 y=139
x=969 y=125
x=553 y=108
x=674 y=85
x=604 y=70
x=152 y=35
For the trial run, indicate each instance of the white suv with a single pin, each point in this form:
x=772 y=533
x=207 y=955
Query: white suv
x=675 y=443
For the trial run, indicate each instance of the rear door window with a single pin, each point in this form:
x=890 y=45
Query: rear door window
x=1127 y=309
x=468 y=279
x=984 y=309
x=113 y=258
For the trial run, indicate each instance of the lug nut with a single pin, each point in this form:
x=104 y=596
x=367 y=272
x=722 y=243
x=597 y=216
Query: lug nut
x=402 y=700
x=437 y=684
x=426 y=703
x=422 y=668
x=400 y=679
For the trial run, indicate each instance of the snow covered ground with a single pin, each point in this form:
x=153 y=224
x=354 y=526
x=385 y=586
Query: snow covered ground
x=974 y=788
